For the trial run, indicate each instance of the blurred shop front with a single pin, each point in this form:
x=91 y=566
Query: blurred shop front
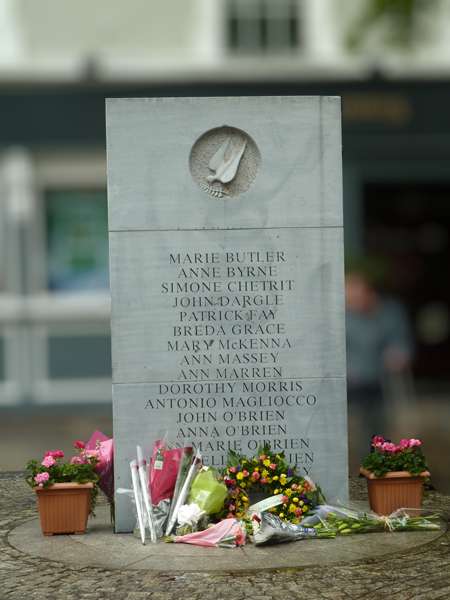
x=54 y=301
x=55 y=365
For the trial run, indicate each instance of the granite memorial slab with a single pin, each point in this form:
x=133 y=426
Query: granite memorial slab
x=226 y=259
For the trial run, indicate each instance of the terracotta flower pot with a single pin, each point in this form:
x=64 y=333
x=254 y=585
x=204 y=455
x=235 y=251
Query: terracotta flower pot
x=64 y=507
x=397 y=489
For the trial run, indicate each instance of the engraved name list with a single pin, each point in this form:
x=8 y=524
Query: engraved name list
x=230 y=339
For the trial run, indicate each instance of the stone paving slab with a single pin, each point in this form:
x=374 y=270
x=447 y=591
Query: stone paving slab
x=419 y=573
x=100 y=547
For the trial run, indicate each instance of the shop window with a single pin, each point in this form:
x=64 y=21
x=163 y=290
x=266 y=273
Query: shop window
x=2 y=359
x=263 y=26
x=3 y=251
x=77 y=240
x=79 y=357
x=407 y=228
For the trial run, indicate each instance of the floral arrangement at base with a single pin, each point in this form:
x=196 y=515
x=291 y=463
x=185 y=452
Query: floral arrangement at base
x=52 y=469
x=386 y=456
x=345 y=521
x=267 y=473
x=104 y=449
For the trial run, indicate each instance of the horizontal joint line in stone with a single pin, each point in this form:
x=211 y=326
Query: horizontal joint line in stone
x=231 y=228
x=225 y=380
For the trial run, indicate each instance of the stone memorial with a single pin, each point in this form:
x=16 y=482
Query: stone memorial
x=226 y=250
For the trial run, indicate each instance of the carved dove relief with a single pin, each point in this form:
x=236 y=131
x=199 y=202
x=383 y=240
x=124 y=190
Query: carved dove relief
x=226 y=160
x=225 y=164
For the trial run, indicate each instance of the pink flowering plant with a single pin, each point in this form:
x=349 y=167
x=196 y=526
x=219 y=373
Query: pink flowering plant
x=81 y=468
x=386 y=456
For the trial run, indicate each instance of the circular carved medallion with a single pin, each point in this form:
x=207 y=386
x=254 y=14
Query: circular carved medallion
x=224 y=161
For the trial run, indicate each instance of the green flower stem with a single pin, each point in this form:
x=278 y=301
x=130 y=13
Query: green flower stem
x=369 y=524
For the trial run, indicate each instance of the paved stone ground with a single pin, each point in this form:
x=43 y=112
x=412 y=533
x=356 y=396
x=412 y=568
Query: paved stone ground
x=423 y=573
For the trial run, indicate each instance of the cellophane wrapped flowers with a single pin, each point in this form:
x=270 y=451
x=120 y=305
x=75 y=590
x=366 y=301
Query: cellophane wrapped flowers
x=346 y=521
x=102 y=447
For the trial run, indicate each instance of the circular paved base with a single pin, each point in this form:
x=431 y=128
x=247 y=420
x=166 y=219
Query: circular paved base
x=102 y=548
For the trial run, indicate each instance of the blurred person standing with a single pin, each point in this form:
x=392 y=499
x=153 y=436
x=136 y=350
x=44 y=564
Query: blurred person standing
x=379 y=343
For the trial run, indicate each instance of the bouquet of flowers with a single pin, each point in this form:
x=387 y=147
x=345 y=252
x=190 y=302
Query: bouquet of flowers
x=186 y=475
x=103 y=448
x=345 y=521
x=228 y=533
x=207 y=492
x=52 y=469
x=206 y=497
x=164 y=468
x=386 y=456
x=287 y=495
x=191 y=518
x=159 y=492
x=268 y=528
